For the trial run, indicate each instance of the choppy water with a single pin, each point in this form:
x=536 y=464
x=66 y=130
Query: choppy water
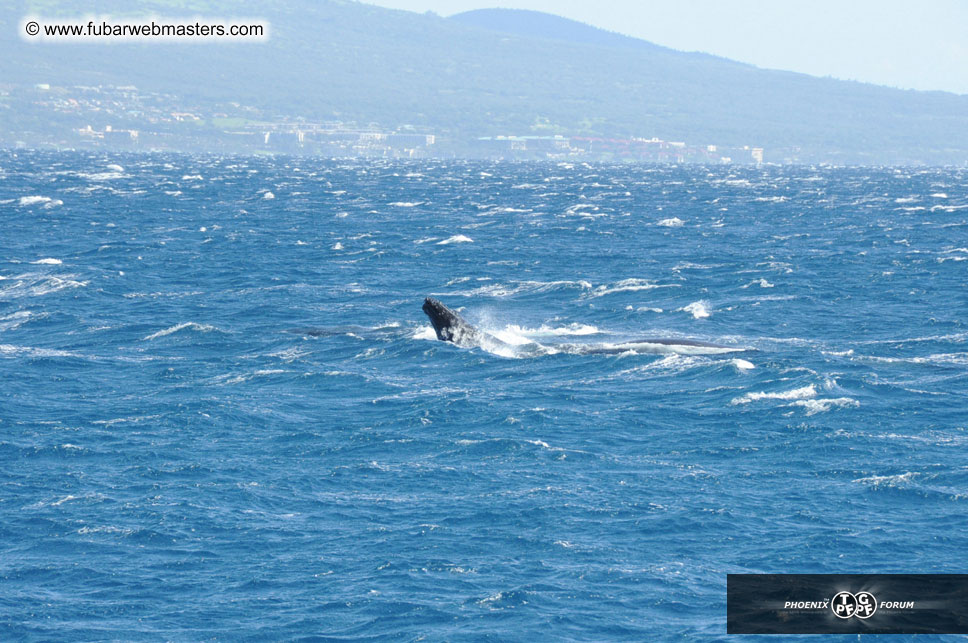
x=184 y=460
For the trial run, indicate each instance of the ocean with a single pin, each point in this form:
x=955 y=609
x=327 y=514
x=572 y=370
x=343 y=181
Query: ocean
x=224 y=416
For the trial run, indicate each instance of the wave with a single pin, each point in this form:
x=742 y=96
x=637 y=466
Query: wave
x=674 y=222
x=888 y=481
x=544 y=330
x=742 y=364
x=514 y=288
x=38 y=284
x=29 y=351
x=762 y=283
x=822 y=405
x=795 y=394
x=110 y=175
x=17 y=319
x=698 y=309
x=36 y=200
x=540 y=287
x=457 y=238
x=202 y=328
x=627 y=285
x=937 y=359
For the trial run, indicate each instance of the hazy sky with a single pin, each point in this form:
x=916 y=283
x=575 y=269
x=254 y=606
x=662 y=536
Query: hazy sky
x=912 y=44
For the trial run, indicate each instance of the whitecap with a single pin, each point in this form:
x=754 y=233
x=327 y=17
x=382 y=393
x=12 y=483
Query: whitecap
x=627 y=285
x=48 y=262
x=36 y=200
x=762 y=283
x=29 y=351
x=674 y=222
x=698 y=309
x=887 y=481
x=822 y=405
x=457 y=238
x=545 y=330
x=795 y=394
x=203 y=328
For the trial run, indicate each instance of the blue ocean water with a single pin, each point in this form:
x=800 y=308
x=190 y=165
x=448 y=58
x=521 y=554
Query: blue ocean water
x=224 y=416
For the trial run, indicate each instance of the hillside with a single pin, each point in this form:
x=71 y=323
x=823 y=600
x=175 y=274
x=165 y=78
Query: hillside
x=535 y=24
x=496 y=72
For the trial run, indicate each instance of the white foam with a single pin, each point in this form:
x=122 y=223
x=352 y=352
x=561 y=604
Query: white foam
x=36 y=200
x=887 y=481
x=48 y=262
x=30 y=200
x=29 y=351
x=954 y=359
x=742 y=364
x=406 y=204
x=245 y=377
x=698 y=309
x=102 y=176
x=512 y=335
x=203 y=328
x=626 y=285
x=15 y=319
x=822 y=405
x=268 y=196
x=37 y=284
x=337 y=246
x=795 y=394
x=653 y=348
x=556 y=331
x=762 y=283
x=457 y=238
x=674 y=222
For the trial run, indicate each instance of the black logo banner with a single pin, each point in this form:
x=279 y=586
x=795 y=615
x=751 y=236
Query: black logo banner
x=847 y=603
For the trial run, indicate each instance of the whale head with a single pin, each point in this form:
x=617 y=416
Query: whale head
x=446 y=322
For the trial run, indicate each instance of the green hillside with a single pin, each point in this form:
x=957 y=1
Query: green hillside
x=327 y=59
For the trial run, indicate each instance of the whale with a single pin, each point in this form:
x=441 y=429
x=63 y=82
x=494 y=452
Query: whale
x=449 y=326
